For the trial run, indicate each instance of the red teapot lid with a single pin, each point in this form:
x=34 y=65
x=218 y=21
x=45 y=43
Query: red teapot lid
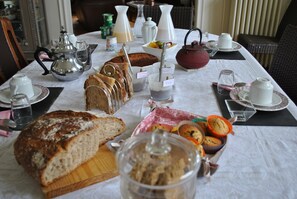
x=194 y=46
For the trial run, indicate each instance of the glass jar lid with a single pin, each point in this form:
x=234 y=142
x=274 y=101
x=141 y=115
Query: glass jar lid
x=158 y=159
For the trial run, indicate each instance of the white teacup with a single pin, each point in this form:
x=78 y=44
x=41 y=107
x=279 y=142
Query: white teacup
x=225 y=41
x=261 y=91
x=20 y=83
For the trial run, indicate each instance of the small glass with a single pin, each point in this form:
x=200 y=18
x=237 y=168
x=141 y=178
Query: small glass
x=226 y=80
x=21 y=110
x=139 y=21
x=83 y=54
x=161 y=90
x=139 y=78
x=243 y=113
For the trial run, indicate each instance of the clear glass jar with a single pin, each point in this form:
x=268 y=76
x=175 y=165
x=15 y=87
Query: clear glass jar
x=158 y=165
x=139 y=21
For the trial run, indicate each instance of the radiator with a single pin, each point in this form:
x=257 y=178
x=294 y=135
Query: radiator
x=257 y=17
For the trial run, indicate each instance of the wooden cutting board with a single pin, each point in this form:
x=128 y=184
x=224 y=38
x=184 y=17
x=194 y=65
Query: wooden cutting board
x=99 y=168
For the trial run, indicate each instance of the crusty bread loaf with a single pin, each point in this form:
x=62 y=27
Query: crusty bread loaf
x=58 y=142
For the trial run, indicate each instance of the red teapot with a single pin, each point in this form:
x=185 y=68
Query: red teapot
x=192 y=56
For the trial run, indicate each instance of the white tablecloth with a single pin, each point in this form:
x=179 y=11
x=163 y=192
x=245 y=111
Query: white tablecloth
x=258 y=162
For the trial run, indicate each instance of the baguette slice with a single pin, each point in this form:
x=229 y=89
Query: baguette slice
x=115 y=92
x=98 y=95
x=113 y=70
x=129 y=85
x=58 y=142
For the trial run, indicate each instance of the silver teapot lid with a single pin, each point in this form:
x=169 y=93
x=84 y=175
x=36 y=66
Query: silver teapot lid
x=64 y=44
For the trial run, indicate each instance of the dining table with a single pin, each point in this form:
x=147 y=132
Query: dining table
x=259 y=160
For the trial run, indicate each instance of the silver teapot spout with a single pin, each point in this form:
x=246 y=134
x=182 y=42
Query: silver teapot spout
x=65 y=66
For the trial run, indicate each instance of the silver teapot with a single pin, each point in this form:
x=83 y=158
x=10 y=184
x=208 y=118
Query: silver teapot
x=65 y=66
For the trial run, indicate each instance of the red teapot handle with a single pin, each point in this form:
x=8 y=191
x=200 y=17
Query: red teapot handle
x=186 y=37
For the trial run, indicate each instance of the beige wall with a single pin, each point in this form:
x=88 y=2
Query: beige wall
x=217 y=16
x=210 y=15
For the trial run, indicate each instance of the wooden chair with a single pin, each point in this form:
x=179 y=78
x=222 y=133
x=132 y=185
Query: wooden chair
x=284 y=63
x=12 y=57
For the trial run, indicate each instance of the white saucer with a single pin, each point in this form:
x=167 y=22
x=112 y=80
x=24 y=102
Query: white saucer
x=5 y=94
x=276 y=99
x=274 y=106
x=40 y=93
x=213 y=45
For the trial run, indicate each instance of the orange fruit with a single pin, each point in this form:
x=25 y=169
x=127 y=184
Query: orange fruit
x=153 y=45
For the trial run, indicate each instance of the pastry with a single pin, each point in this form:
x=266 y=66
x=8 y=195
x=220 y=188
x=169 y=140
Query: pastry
x=164 y=127
x=198 y=146
x=218 y=125
x=211 y=141
x=188 y=130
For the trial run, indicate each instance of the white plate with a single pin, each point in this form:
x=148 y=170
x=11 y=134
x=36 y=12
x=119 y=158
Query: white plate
x=213 y=45
x=284 y=102
x=276 y=99
x=40 y=93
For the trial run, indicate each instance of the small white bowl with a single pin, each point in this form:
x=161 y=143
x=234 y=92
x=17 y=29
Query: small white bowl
x=157 y=51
